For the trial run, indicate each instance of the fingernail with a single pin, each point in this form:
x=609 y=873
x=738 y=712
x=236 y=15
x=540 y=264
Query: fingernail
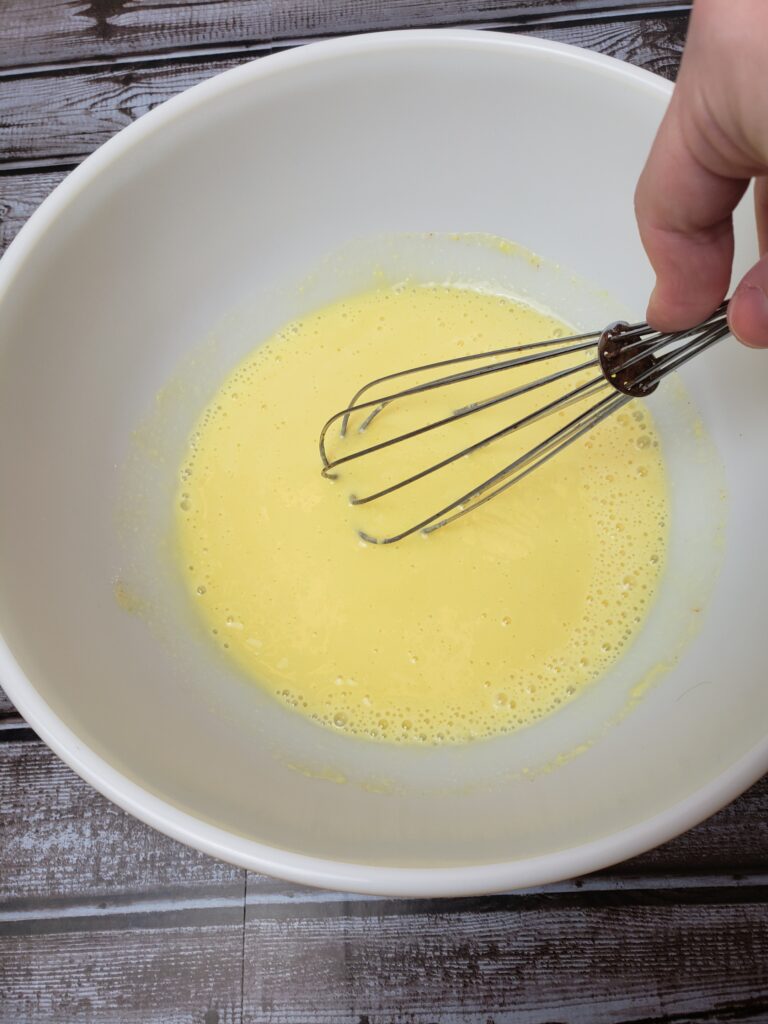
x=651 y=311
x=748 y=315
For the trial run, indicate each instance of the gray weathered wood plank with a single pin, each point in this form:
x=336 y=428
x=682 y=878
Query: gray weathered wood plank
x=6 y=707
x=60 y=839
x=61 y=118
x=49 y=118
x=54 y=31
x=509 y=962
x=173 y=975
x=733 y=841
x=509 y=959
x=20 y=195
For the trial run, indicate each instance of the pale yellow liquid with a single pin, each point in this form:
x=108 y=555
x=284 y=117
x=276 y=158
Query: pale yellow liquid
x=482 y=627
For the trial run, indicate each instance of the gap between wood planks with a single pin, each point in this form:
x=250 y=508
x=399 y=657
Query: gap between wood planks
x=52 y=915
x=13 y=729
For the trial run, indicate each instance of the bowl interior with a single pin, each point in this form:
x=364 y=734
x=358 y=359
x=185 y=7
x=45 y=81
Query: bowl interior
x=224 y=200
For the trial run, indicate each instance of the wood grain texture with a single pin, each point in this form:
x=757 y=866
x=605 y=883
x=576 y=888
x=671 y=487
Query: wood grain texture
x=733 y=841
x=62 y=31
x=6 y=707
x=59 y=118
x=176 y=975
x=501 y=961
x=509 y=961
x=20 y=195
x=60 y=838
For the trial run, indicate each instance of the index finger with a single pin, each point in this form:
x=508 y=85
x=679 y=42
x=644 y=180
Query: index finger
x=684 y=213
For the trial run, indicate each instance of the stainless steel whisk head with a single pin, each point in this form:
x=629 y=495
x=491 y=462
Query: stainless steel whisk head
x=628 y=361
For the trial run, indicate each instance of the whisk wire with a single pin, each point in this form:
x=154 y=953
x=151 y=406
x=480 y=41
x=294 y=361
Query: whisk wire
x=674 y=360
x=526 y=464
x=512 y=473
x=457 y=359
x=577 y=395
x=378 y=404
x=633 y=359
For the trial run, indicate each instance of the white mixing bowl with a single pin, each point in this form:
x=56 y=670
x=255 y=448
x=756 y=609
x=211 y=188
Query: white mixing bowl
x=231 y=192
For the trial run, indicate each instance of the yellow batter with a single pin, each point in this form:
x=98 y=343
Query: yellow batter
x=475 y=630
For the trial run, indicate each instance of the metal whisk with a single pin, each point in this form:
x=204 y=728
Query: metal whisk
x=629 y=361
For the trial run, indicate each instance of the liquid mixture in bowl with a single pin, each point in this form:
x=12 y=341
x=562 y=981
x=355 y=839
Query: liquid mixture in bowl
x=475 y=630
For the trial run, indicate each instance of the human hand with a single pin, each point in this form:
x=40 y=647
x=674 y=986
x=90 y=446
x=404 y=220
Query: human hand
x=711 y=143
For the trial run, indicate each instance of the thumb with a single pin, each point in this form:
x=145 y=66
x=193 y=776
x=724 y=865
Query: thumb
x=748 y=310
x=684 y=215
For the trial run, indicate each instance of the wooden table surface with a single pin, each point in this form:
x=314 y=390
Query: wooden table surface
x=105 y=920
